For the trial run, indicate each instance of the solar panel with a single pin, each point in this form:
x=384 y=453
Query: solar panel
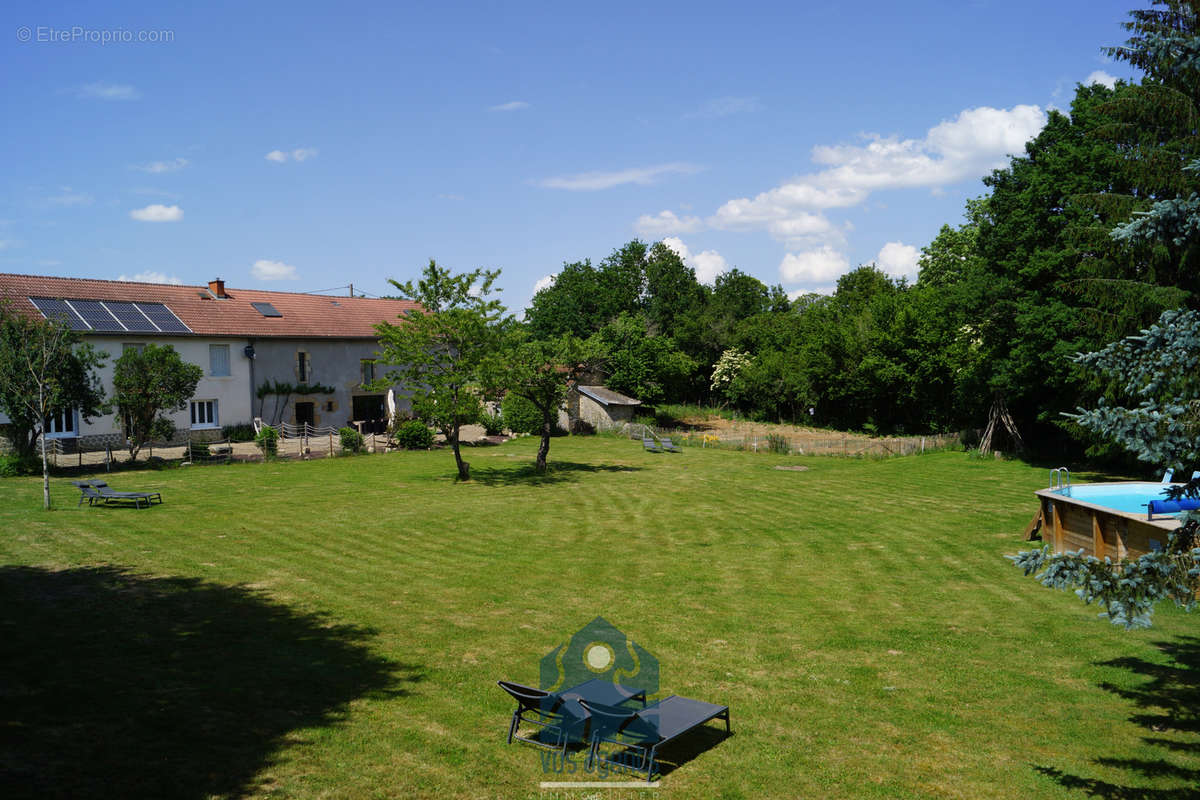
x=96 y=315
x=52 y=308
x=162 y=316
x=266 y=309
x=129 y=316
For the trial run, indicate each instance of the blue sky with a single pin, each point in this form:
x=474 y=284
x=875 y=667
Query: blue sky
x=304 y=146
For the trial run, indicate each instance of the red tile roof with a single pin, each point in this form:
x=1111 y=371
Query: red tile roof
x=304 y=315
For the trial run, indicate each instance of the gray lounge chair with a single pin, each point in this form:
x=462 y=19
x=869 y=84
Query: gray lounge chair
x=107 y=495
x=651 y=445
x=560 y=716
x=86 y=492
x=670 y=446
x=645 y=730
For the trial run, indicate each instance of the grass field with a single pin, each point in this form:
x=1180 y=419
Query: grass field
x=335 y=628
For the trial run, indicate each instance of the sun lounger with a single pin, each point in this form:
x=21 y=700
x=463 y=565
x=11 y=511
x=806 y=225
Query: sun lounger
x=560 y=716
x=651 y=445
x=86 y=492
x=100 y=491
x=1168 y=475
x=638 y=733
x=670 y=446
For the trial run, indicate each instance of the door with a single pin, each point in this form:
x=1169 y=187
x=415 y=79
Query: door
x=306 y=414
x=368 y=409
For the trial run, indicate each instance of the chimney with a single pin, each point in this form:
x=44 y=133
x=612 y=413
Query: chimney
x=217 y=287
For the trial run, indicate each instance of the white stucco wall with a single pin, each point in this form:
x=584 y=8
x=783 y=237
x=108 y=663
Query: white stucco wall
x=232 y=393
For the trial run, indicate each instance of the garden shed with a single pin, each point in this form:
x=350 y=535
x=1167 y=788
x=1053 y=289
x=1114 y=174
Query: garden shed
x=599 y=407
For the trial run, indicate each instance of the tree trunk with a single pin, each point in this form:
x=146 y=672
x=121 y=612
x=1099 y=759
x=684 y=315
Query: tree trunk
x=464 y=469
x=45 y=466
x=544 y=447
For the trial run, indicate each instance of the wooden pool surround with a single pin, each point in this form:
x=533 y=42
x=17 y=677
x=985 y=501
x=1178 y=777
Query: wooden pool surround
x=1071 y=524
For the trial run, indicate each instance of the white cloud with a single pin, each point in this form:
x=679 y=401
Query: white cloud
x=821 y=266
x=594 y=181
x=265 y=270
x=725 y=106
x=898 y=260
x=158 y=167
x=513 y=105
x=666 y=222
x=828 y=289
x=299 y=154
x=544 y=282
x=151 y=276
x=707 y=264
x=108 y=91
x=157 y=213
x=1101 y=77
x=968 y=146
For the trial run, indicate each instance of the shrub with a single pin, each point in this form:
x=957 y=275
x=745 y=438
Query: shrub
x=352 y=440
x=414 y=435
x=492 y=423
x=778 y=443
x=520 y=415
x=268 y=441
x=12 y=465
x=241 y=432
x=198 y=451
x=162 y=430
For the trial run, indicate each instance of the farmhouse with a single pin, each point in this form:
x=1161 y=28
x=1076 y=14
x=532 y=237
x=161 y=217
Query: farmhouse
x=318 y=350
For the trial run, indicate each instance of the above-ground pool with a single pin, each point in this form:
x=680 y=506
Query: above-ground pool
x=1128 y=497
x=1105 y=519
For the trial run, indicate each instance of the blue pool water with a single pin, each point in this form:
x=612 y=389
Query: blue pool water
x=1128 y=497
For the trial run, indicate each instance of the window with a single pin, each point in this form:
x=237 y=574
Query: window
x=139 y=346
x=368 y=370
x=218 y=360
x=204 y=413
x=302 y=366
x=61 y=425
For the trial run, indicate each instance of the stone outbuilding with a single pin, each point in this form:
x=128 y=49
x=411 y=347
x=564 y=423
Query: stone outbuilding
x=599 y=407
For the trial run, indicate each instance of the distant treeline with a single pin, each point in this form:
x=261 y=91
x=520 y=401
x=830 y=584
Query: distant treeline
x=1039 y=271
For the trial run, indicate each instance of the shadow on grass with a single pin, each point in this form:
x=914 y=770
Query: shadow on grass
x=676 y=754
x=670 y=757
x=121 y=685
x=556 y=472
x=1169 y=702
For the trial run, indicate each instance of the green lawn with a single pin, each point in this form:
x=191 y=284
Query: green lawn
x=335 y=629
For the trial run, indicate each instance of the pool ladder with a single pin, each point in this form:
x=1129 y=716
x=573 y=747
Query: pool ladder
x=1060 y=478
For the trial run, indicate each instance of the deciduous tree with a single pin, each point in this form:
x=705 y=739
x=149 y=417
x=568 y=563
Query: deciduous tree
x=442 y=347
x=44 y=370
x=541 y=371
x=147 y=382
